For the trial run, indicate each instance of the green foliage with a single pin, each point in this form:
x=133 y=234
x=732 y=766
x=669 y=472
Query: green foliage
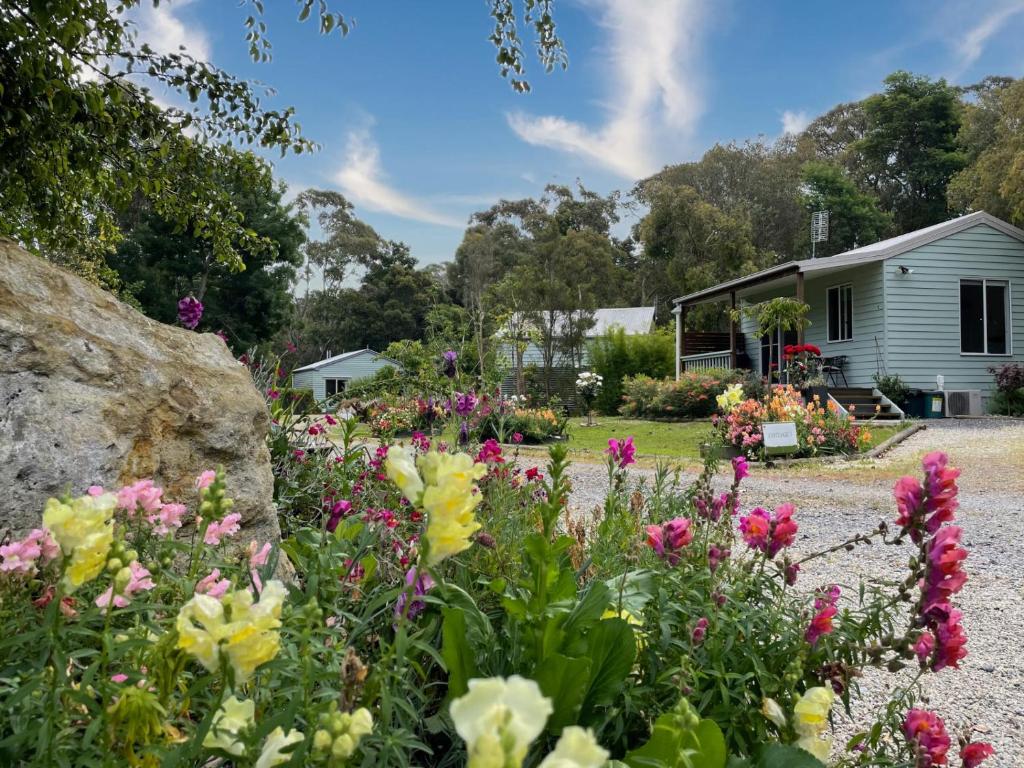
x=892 y=386
x=616 y=356
x=855 y=218
x=781 y=313
x=691 y=397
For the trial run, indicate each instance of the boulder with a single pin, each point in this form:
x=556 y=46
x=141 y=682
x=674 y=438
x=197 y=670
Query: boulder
x=92 y=392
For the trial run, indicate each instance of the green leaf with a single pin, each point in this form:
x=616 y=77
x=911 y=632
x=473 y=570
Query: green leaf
x=662 y=750
x=708 y=744
x=563 y=680
x=611 y=649
x=786 y=756
x=456 y=651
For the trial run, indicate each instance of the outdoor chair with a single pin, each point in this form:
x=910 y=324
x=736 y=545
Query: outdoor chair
x=833 y=369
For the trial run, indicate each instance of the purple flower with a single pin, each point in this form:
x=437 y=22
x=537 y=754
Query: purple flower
x=464 y=433
x=621 y=452
x=465 y=402
x=448 y=363
x=190 y=312
x=423 y=584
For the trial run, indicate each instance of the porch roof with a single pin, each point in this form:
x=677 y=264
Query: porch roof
x=783 y=275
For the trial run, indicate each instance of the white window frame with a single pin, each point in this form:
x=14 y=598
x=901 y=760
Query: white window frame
x=839 y=314
x=984 y=315
x=335 y=379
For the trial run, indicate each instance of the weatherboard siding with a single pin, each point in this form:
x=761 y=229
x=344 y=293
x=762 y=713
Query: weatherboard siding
x=356 y=367
x=923 y=308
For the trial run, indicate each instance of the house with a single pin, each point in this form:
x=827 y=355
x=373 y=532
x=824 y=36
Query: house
x=946 y=300
x=330 y=376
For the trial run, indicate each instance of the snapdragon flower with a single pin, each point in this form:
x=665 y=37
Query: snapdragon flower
x=84 y=530
x=499 y=718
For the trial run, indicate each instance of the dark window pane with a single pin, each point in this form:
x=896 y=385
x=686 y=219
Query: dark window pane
x=847 y=292
x=329 y=386
x=995 y=296
x=972 y=320
x=833 y=314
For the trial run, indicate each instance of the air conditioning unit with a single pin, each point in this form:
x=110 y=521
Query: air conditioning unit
x=964 y=402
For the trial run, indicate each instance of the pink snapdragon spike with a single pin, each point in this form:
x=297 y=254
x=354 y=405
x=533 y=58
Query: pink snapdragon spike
x=21 y=556
x=339 y=510
x=699 y=631
x=740 y=469
x=784 y=529
x=755 y=528
x=517 y=437
x=490 y=453
x=213 y=585
x=258 y=555
x=926 y=732
x=769 y=533
x=190 y=312
x=219 y=529
x=945 y=574
x=825 y=606
x=141 y=495
x=975 y=753
x=205 y=479
x=949 y=635
x=669 y=538
x=168 y=519
x=139 y=581
x=621 y=452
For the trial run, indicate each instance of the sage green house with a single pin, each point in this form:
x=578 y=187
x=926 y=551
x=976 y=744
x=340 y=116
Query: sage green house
x=330 y=376
x=945 y=301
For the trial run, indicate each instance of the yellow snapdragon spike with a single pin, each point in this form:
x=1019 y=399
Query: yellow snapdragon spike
x=84 y=530
x=400 y=467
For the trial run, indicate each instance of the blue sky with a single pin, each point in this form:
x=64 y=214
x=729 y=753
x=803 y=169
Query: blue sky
x=418 y=130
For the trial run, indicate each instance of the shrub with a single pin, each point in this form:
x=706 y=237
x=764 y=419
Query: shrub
x=893 y=387
x=616 y=356
x=1009 y=395
x=691 y=397
x=302 y=399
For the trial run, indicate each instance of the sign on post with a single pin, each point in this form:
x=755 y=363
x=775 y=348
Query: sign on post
x=779 y=438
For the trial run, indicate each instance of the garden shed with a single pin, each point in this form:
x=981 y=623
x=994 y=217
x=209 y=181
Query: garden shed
x=332 y=375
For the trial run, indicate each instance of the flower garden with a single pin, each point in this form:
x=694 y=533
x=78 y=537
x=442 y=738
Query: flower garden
x=442 y=605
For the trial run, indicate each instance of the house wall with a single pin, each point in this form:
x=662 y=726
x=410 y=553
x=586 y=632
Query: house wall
x=355 y=367
x=924 y=307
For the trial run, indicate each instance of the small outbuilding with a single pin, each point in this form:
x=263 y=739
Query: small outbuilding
x=331 y=376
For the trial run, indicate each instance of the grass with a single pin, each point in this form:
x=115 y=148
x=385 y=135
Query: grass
x=676 y=440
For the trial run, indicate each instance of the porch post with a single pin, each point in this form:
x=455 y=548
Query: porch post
x=732 y=331
x=677 y=310
x=800 y=298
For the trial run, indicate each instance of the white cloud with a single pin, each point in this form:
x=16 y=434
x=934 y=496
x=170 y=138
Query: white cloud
x=972 y=45
x=794 y=122
x=364 y=183
x=166 y=32
x=652 y=93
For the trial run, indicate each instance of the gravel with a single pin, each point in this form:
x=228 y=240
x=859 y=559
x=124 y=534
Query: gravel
x=835 y=501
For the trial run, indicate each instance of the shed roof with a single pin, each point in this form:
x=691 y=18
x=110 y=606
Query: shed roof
x=632 y=320
x=344 y=356
x=883 y=249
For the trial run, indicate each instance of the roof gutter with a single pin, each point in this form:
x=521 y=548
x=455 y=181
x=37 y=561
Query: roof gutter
x=722 y=289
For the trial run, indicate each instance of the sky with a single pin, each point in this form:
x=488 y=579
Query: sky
x=418 y=130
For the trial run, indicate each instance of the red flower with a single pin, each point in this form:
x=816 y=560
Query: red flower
x=975 y=753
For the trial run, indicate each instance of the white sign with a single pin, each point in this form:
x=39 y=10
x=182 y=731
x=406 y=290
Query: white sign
x=780 y=434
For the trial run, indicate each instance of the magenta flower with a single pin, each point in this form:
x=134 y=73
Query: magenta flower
x=949 y=634
x=423 y=584
x=940 y=486
x=517 y=437
x=699 y=631
x=825 y=607
x=740 y=469
x=926 y=732
x=190 y=312
x=769 y=533
x=924 y=646
x=490 y=453
x=716 y=555
x=338 y=511
x=975 y=753
x=945 y=575
x=783 y=529
x=621 y=452
x=219 y=529
x=138 y=582
x=755 y=528
x=669 y=538
x=656 y=539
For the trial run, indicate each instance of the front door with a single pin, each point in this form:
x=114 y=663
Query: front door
x=772 y=345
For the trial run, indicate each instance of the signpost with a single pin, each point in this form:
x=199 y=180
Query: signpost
x=779 y=438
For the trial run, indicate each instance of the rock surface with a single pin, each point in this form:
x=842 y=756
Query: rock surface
x=93 y=392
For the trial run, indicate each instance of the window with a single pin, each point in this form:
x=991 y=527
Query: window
x=334 y=386
x=840 y=312
x=984 y=317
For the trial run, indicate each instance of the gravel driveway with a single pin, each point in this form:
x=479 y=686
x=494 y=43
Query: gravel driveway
x=835 y=501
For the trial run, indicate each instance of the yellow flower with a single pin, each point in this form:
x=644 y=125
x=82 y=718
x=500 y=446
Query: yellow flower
x=810 y=720
x=248 y=639
x=276 y=741
x=770 y=708
x=730 y=398
x=232 y=718
x=577 y=748
x=84 y=530
x=499 y=719
x=401 y=469
x=449 y=499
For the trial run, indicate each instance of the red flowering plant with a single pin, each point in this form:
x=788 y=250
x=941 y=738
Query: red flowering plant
x=803 y=365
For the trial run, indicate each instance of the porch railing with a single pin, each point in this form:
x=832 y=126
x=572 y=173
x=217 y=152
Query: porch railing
x=707 y=360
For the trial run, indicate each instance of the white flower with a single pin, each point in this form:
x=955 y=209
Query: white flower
x=276 y=741
x=577 y=748
x=233 y=717
x=499 y=719
x=400 y=466
x=770 y=708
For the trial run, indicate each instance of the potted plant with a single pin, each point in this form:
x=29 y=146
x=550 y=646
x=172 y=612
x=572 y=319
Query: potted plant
x=588 y=385
x=803 y=366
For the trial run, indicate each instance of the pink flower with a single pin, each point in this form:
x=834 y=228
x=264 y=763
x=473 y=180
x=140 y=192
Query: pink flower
x=258 y=557
x=621 y=452
x=740 y=469
x=205 y=479
x=950 y=637
x=825 y=604
x=699 y=630
x=21 y=556
x=222 y=528
x=656 y=539
x=677 y=533
x=141 y=494
x=924 y=646
x=119 y=678
x=945 y=576
x=975 y=753
x=138 y=582
x=756 y=528
x=339 y=510
x=490 y=453
x=783 y=529
x=95 y=490
x=168 y=519
x=534 y=473
x=517 y=437
x=941 y=488
x=909 y=497
x=331 y=421
x=926 y=732
x=791 y=572
x=716 y=556
x=213 y=585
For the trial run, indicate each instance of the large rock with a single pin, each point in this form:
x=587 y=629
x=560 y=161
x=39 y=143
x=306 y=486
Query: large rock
x=93 y=392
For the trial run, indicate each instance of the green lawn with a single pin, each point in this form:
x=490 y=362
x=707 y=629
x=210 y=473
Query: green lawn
x=677 y=440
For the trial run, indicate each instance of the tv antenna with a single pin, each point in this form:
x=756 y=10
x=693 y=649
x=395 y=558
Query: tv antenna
x=819 y=230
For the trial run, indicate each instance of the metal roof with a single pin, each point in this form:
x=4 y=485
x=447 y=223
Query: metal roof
x=342 y=356
x=633 y=320
x=883 y=249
